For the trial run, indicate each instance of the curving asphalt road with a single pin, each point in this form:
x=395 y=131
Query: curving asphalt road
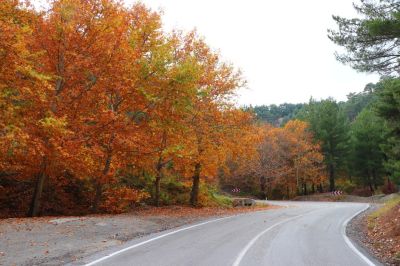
x=301 y=233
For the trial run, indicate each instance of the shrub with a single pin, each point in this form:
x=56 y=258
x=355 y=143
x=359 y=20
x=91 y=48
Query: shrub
x=118 y=200
x=389 y=187
x=209 y=197
x=346 y=185
x=362 y=192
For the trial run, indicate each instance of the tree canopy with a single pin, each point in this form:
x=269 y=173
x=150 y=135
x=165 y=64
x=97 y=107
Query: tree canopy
x=371 y=39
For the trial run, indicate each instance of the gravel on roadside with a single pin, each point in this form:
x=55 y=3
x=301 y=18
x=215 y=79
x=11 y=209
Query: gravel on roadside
x=357 y=230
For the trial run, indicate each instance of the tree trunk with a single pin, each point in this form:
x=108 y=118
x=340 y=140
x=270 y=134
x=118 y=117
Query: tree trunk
x=331 y=178
x=157 y=184
x=321 y=190
x=371 y=188
x=389 y=185
x=98 y=183
x=305 y=189
x=313 y=188
x=374 y=179
x=370 y=184
x=159 y=166
x=263 y=182
x=37 y=194
x=196 y=185
x=97 y=197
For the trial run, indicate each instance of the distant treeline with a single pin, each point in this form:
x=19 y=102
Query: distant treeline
x=353 y=135
x=277 y=115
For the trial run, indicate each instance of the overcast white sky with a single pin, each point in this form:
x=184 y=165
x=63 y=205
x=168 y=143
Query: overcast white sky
x=281 y=46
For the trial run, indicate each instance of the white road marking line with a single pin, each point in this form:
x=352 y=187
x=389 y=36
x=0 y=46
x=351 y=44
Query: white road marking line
x=251 y=243
x=348 y=242
x=162 y=236
x=153 y=239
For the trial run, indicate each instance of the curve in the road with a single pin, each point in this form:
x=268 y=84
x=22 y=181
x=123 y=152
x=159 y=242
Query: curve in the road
x=306 y=233
x=251 y=243
x=348 y=241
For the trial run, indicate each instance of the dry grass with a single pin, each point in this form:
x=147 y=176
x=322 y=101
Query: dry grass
x=387 y=207
x=384 y=231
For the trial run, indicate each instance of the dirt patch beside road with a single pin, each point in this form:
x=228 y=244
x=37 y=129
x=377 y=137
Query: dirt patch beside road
x=60 y=240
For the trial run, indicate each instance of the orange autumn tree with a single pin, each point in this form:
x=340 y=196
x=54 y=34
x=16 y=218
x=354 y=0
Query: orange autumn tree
x=87 y=52
x=169 y=98
x=241 y=168
x=79 y=39
x=267 y=160
x=33 y=136
x=304 y=161
x=286 y=161
x=23 y=94
x=216 y=84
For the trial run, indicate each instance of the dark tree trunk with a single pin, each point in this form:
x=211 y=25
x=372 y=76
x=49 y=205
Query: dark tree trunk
x=98 y=196
x=159 y=166
x=195 y=185
x=157 y=184
x=370 y=184
x=370 y=180
x=37 y=194
x=287 y=192
x=374 y=179
x=305 y=189
x=389 y=185
x=263 y=182
x=321 y=190
x=331 y=178
x=371 y=187
x=313 y=188
x=98 y=183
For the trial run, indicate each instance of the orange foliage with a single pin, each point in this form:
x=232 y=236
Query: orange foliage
x=285 y=158
x=95 y=95
x=118 y=200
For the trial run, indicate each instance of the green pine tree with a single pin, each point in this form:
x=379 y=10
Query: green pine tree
x=330 y=127
x=371 y=40
x=388 y=107
x=367 y=137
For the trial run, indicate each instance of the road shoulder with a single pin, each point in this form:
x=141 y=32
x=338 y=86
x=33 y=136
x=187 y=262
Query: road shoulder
x=357 y=231
x=61 y=240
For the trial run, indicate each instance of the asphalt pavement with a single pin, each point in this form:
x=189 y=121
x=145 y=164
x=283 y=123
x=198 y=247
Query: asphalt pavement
x=299 y=233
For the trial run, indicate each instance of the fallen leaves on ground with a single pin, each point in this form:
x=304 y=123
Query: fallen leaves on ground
x=383 y=233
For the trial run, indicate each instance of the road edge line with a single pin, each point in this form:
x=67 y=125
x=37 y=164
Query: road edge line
x=153 y=239
x=348 y=241
x=164 y=235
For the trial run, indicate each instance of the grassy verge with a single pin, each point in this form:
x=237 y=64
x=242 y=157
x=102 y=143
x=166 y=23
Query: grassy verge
x=221 y=200
x=385 y=209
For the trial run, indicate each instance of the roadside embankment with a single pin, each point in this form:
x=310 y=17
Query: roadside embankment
x=378 y=230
